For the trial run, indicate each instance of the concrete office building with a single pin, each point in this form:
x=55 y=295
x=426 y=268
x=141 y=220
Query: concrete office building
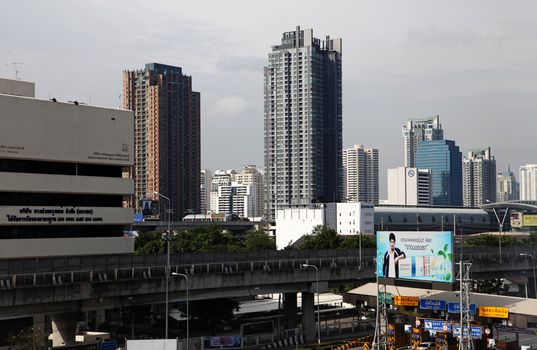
x=303 y=121
x=444 y=159
x=507 y=186
x=361 y=174
x=61 y=187
x=167 y=136
x=528 y=182
x=205 y=190
x=416 y=130
x=478 y=178
x=250 y=175
x=409 y=186
x=238 y=199
x=344 y=218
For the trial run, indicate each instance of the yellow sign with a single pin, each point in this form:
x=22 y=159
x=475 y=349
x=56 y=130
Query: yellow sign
x=493 y=311
x=406 y=301
x=529 y=220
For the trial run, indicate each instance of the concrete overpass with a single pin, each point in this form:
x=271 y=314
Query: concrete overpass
x=60 y=287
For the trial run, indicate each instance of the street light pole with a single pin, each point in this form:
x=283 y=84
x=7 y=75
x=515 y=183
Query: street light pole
x=167 y=238
x=318 y=304
x=500 y=225
x=533 y=264
x=187 y=308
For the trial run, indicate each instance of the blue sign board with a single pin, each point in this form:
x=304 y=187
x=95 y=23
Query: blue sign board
x=437 y=325
x=430 y=304
x=108 y=345
x=476 y=332
x=138 y=217
x=455 y=308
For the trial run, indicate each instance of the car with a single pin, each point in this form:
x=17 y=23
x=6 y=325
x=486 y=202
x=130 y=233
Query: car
x=426 y=345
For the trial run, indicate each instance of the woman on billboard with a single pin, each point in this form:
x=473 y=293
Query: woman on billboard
x=390 y=268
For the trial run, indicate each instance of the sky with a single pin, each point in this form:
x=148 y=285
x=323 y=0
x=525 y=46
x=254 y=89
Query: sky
x=471 y=62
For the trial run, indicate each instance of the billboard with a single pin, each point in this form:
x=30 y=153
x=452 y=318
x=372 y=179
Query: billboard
x=529 y=220
x=420 y=256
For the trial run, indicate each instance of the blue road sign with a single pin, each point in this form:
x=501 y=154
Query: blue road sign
x=108 y=345
x=430 y=304
x=455 y=308
x=437 y=325
x=476 y=331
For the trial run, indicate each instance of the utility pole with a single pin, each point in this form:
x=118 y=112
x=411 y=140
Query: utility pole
x=381 y=324
x=465 y=338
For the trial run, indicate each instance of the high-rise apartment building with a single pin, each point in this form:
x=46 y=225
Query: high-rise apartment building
x=507 y=186
x=220 y=178
x=167 y=136
x=478 y=178
x=444 y=159
x=409 y=186
x=361 y=174
x=416 y=130
x=528 y=182
x=303 y=121
x=238 y=199
x=250 y=175
x=205 y=190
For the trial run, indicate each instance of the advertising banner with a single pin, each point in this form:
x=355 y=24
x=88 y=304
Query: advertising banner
x=228 y=341
x=493 y=311
x=421 y=256
x=437 y=325
x=455 y=308
x=429 y=304
x=529 y=220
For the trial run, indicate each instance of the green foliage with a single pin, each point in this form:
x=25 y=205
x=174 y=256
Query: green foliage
x=353 y=242
x=204 y=240
x=29 y=339
x=490 y=286
x=489 y=240
x=322 y=237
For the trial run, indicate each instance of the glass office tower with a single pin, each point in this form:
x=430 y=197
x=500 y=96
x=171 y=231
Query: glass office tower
x=444 y=159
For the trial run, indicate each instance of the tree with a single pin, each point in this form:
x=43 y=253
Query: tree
x=29 y=339
x=353 y=242
x=322 y=237
x=259 y=240
x=488 y=240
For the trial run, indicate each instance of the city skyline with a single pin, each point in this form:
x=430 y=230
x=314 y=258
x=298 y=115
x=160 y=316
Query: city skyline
x=473 y=70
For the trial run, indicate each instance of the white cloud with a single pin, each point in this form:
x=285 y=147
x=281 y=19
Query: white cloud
x=230 y=106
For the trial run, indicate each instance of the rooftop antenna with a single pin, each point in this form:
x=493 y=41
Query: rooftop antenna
x=17 y=71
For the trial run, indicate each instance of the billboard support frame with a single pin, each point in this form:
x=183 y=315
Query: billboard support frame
x=381 y=324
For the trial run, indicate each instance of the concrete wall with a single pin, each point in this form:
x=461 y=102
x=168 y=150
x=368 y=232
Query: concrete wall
x=45 y=130
x=27 y=248
x=291 y=224
x=17 y=87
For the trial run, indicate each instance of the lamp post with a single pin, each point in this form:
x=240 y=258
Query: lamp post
x=533 y=263
x=167 y=238
x=187 y=308
x=500 y=225
x=318 y=304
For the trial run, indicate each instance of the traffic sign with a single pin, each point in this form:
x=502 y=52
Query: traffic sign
x=476 y=331
x=455 y=308
x=430 y=304
x=386 y=297
x=437 y=325
x=418 y=322
x=493 y=311
x=108 y=345
x=405 y=301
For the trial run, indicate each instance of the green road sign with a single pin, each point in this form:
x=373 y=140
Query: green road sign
x=386 y=297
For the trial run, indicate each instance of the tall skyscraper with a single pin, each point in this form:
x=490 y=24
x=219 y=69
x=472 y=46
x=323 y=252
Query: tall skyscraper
x=409 y=186
x=303 y=121
x=478 y=178
x=251 y=176
x=361 y=174
x=528 y=182
x=205 y=190
x=416 y=130
x=167 y=136
x=507 y=186
x=445 y=161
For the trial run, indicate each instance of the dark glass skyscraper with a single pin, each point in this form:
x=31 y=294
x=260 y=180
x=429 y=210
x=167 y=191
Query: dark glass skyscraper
x=444 y=159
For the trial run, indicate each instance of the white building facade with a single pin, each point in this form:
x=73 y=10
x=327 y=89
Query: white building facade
x=250 y=175
x=478 y=178
x=507 y=186
x=361 y=174
x=409 y=186
x=528 y=182
x=345 y=218
x=205 y=190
